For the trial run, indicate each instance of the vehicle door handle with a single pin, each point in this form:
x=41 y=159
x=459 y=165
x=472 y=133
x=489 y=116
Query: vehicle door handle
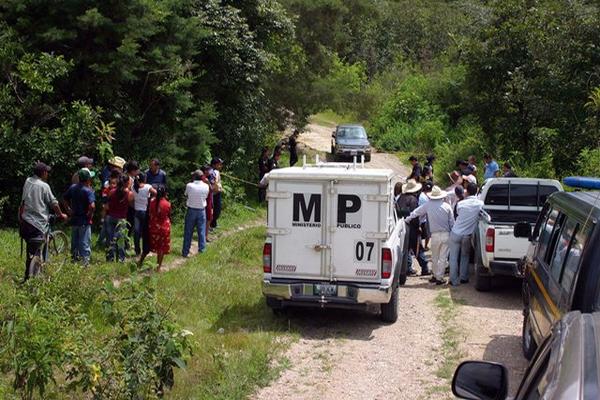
x=320 y=247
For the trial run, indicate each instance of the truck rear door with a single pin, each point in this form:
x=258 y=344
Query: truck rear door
x=297 y=225
x=358 y=230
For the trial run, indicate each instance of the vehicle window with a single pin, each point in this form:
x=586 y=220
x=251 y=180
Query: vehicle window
x=573 y=260
x=546 y=233
x=520 y=195
x=352 y=132
x=562 y=246
x=541 y=219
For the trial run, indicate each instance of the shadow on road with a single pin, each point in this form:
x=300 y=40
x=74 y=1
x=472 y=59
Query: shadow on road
x=309 y=323
x=506 y=349
x=505 y=294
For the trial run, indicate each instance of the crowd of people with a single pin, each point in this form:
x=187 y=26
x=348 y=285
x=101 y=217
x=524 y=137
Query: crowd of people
x=133 y=204
x=443 y=221
x=266 y=164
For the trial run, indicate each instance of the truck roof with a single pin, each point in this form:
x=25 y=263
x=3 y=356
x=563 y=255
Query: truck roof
x=522 y=181
x=330 y=171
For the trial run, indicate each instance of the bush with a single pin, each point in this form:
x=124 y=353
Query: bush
x=108 y=342
x=589 y=162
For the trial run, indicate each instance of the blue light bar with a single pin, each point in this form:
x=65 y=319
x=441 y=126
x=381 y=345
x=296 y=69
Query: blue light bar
x=583 y=182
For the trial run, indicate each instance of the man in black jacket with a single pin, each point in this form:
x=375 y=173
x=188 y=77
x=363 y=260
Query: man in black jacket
x=406 y=203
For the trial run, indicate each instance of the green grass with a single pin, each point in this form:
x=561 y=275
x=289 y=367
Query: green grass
x=217 y=296
x=446 y=316
x=237 y=342
x=330 y=118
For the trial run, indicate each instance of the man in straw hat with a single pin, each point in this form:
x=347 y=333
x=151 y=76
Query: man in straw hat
x=441 y=220
x=407 y=203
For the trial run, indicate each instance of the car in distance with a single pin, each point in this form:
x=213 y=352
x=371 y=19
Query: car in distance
x=349 y=141
x=566 y=367
x=561 y=268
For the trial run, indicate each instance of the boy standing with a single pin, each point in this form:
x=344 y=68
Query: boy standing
x=82 y=203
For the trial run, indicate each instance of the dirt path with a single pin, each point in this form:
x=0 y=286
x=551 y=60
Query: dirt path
x=352 y=355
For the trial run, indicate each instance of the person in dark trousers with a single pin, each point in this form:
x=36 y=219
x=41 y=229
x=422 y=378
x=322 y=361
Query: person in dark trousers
x=82 y=202
x=416 y=169
x=407 y=202
x=507 y=171
x=34 y=213
x=155 y=176
x=292 y=144
x=263 y=168
x=427 y=173
x=216 y=165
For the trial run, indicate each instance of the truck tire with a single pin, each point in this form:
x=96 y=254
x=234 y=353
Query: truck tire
x=482 y=283
x=389 y=311
x=527 y=340
x=403 y=266
x=367 y=158
x=275 y=305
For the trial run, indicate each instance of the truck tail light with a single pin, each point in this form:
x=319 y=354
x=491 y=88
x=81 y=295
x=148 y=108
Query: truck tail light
x=267 y=258
x=489 y=240
x=386 y=263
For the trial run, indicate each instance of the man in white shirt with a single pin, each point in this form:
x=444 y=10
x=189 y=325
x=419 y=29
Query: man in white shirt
x=195 y=217
x=441 y=220
x=460 y=237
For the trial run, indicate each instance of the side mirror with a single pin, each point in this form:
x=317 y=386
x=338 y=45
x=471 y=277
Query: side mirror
x=480 y=380
x=522 y=230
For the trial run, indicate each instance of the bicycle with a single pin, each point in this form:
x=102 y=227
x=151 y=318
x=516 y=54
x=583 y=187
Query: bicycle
x=55 y=247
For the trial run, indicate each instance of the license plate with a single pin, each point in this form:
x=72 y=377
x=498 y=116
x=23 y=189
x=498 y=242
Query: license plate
x=325 y=290
x=353 y=152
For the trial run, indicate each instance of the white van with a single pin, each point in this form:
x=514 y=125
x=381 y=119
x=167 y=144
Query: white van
x=333 y=238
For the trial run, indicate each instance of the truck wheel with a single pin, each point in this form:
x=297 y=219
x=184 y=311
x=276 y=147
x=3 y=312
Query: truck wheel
x=367 y=158
x=482 y=283
x=389 y=311
x=528 y=342
x=275 y=305
x=402 y=275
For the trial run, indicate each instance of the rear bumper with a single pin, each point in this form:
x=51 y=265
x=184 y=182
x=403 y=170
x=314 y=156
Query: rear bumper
x=347 y=294
x=505 y=268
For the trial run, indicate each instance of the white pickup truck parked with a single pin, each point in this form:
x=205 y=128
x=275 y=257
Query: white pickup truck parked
x=333 y=239
x=507 y=201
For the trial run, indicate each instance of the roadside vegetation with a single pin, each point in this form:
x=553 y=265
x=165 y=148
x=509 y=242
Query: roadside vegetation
x=203 y=326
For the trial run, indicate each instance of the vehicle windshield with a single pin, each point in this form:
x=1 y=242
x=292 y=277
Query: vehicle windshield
x=352 y=132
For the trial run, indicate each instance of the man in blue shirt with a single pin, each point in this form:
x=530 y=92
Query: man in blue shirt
x=82 y=203
x=491 y=167
x=155 y=176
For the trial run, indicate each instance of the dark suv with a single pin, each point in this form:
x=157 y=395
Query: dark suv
x=562 y=267
x=566 y=367
x=349 y=141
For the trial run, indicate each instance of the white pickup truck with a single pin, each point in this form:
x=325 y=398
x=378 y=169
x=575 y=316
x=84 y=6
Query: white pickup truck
x=507 y=201
x=333 y=239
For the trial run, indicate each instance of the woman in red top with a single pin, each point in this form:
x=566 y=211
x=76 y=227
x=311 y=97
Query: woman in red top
x=159 y=226
x=116 y=208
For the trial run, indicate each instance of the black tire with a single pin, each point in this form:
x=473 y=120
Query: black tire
x=389 y=311
x=482 y=283
x=528 y=342
x=367 y=158
x=275 y=305
x=402 y=275
x=58 y=243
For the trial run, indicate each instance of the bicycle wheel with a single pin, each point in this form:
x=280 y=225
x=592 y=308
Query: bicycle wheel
x=58 y=246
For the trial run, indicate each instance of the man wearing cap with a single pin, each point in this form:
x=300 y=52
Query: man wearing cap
x=82 y=203
x=441 y=220
x=460 y=237
x=216 y=165
x=34 y=212
x=155 y=176
x=82 y=162
x=407 y=203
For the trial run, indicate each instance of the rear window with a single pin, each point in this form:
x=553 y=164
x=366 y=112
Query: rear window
x=520 y=195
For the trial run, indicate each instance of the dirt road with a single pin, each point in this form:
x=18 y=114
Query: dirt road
x=352 y=355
